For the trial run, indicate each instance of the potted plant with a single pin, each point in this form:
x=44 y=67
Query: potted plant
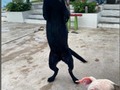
x=79 y=6
x=89 y=13
x=17 y=10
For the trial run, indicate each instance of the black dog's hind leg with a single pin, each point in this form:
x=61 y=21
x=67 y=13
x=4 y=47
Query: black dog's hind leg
x=53 y=60
x=67 y=58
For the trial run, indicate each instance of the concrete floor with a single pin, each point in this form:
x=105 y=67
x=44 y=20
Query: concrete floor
x=25 y=57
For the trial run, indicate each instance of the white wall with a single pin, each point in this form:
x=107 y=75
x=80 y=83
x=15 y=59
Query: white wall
x=17 y=16
x=87 y=20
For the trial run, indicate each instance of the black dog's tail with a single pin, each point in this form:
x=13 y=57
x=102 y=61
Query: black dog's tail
x=77 y=56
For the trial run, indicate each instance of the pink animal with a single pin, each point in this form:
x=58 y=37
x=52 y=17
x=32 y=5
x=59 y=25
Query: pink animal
x=98 y=84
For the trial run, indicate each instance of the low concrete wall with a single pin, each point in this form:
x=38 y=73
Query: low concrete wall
x=17 y=16
x=88 y=20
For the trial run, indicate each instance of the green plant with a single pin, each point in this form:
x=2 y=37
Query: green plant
x=91 y=7
x=79 y=6
x=13 y=6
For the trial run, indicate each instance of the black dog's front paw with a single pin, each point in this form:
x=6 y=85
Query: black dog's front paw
x=74 y=80
x=51 y=79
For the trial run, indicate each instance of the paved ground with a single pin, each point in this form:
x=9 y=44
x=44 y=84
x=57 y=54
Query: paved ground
x=25 y=57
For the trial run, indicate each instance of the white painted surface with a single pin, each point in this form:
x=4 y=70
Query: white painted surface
x=36 y=16
x=37 y=5
x=35 y=21
x=3 y=14
x=110 y=16
x=105 y=25
x=110 y=13
x=88 y=20
x=37 y=11
x=110 y=19
x=3 y=18
x=112 y=6
x=17 y=16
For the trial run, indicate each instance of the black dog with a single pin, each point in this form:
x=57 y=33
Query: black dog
x=56 y=14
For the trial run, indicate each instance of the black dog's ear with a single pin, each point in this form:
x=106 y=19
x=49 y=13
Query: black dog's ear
x=116 y=87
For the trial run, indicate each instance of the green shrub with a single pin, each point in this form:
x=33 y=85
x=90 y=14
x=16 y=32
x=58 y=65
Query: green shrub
x=13 y=6
x=91 y=7
x=79 y=6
